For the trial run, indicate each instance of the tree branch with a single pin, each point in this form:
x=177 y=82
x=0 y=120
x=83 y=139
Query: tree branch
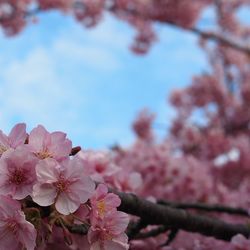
x=135 y=227
x=169 y=218
x=207 y=207
x=155 y=214
x=222 y=39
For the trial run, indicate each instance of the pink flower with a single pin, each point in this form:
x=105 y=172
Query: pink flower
x=98 y=164
x=127 y=181
x=240 y=242
x=16 y=137
x=65 y=184
x=15 y=232
x=49 y=145
x=109 y=234
x=17 y=173
x=103 y=202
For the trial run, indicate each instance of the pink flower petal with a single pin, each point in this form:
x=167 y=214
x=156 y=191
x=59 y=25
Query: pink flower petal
x=60 y=146
x=47 y=171
x=38 y=138
x=65 y=205
x=18 y=135
x=44 y=194
x=83 y=189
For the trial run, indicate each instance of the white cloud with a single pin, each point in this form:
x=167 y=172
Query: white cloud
x=36 y=89
x=96 y=57
x=68 y=80
x=33 y=90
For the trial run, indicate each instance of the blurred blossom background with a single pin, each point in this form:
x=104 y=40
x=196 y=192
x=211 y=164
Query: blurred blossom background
x=88 y=83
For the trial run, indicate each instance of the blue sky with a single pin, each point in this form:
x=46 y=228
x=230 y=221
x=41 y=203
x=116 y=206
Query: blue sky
x=87 y=82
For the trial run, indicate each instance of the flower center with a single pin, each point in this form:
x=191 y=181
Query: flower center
x=2 y=149
x=106 y=236
x=44 y=154
x=101 y=207
x=99 y=167
x=62 y=185
x=17 y=177
x=11 y=226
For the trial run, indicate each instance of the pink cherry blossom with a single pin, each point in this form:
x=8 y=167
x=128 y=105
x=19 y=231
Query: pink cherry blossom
x=16 y=137
x=15 y=232
x=108 y=234
x=66 y=185
x=127 y=181
x=240 y=242
x=98 y=164
x=18 y=173
x=49 y=145
x=103 y=202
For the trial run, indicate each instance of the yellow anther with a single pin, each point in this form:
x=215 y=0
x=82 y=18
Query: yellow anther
x=101 y=207
x=44 y=154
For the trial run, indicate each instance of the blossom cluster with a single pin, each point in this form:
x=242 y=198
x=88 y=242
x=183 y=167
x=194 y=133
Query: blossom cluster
x=140 y=14
x=39 y=174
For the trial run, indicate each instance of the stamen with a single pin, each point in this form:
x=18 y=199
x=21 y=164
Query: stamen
x=2 y=149
x=101 y=207
x=44 y=154
x=11 y=226
x=62 y=185
x=17 y=177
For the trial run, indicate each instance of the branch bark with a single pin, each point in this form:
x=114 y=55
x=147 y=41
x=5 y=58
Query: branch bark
x=155 y=214
x=207 y=207
x=169 y=218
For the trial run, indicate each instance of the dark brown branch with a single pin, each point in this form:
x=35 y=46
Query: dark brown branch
x=206 y=207
x=172 y=235
x=135 y=227
x=155 y=214
x=222 y=39
x=170 y=218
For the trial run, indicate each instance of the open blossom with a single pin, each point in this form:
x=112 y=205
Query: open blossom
x=98 y=165
x=108 y=233
x=17 y=173
x=49 y=145
x=66 y=185
x=16 y=138
x=15 y=232
x=240 y=242
x=103 y=202
x=127 y=181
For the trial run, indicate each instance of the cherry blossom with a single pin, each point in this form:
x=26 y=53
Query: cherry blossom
x=15 y=232
x=16 y=138
x=240 y=242
x=49 y=145
x=66 y=185
x=18 y=173
x=103 y=202
x=109 y=232
x=48 y=196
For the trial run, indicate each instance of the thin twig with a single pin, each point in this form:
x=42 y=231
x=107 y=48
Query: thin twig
x=207 y=207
